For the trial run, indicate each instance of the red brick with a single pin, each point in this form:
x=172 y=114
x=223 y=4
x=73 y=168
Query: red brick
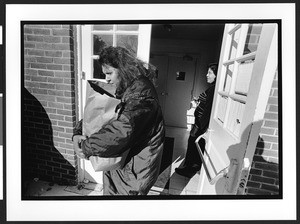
x=47 y=85
x=28 y=30
x=54 y=67
x=254 y=191
x=253 y=184
x=63 y=74
x=270 y=174
x=268 y=138
x=65 y=124
x=275 y=84
x=57 y=139
x=38 y=65
x=41 y=31
x=34 y=38
x=68 y=68
x=64 y=100
x=268 y=187
x=56 y=117
x=52 y=39
x=63 y=87
x=273 y=108
x=44 y=60
x=29 y=45
x=56 y=93
x=46 y=73
x=267 y=131
x=68 y=54
x=53 y=53
x=39 y=91
x=65 y=112
x=261 y=179
x=271 y=116
x=55 y=105
x=61 y=32
x=266 y=166
x=44 y=46
x=55 y=80
x=270 y=124
x=62 y=61
x=61 y=47
x=31 y=72
x=36 y=52
x=69 y=94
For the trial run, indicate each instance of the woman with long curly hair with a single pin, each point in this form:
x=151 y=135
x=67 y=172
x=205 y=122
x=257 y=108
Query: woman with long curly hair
x=139 y=126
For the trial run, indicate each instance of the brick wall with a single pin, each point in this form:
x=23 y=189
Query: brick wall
x=49 y=103
x=264 y=177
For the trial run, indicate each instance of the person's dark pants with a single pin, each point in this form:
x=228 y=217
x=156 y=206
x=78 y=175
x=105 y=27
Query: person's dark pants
x=192 y=156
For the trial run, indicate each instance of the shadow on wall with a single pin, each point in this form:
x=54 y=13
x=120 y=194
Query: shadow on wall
x=263 y=177
x=39 y=157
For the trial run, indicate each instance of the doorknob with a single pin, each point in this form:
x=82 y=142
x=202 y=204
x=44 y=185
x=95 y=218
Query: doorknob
x=164 y=94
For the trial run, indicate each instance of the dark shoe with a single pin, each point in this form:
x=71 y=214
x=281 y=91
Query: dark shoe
x=186 y=171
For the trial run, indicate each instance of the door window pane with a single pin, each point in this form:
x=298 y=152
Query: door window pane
x=101 y=41
x=130 y=42
x=228 y=78
x=131 y=27
x=243 y=77
x=252 y=40
x=234 y=43
x=222 y=108
x=97 y=72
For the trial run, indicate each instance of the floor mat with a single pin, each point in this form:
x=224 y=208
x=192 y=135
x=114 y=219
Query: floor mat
x=162 y=182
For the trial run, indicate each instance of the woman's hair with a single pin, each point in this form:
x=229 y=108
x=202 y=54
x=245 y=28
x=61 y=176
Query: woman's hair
x=213 y=67
x=129 y=66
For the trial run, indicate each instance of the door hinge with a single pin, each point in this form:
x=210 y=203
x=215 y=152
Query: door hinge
x=83 y=75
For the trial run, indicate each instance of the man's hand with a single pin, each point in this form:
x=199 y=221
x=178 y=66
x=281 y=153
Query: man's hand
x=77 y=139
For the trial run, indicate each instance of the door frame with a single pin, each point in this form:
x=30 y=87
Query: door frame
x=84 y=68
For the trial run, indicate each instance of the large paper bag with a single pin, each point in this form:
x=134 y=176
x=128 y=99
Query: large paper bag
x=99 y=109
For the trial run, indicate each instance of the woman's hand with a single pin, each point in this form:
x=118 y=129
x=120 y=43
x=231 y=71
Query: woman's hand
x=77 y=139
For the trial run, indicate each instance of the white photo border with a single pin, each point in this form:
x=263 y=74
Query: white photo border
x=91 y=210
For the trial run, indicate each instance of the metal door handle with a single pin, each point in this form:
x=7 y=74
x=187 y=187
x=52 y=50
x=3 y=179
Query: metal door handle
x=218 y=175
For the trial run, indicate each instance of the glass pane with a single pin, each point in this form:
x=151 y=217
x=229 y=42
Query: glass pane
x=130 y=42
x=103 y=27
x=97 y=73
x=101 y=41
x=222 y=108
x=243 y=77
x=234 y=43
x=252 y=40
x=228 y=78
x=130 y=27
x=235 y=117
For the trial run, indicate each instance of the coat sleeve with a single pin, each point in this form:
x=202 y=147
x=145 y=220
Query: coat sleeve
x=207 y=109
x=116 y=136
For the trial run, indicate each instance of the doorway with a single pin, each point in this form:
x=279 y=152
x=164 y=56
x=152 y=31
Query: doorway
x=176 y=75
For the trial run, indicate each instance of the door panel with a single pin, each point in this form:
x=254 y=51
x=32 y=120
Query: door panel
x=242 y=89
x=179 y=88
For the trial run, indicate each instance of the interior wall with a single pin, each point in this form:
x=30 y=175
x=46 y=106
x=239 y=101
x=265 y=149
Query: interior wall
x=207 y=50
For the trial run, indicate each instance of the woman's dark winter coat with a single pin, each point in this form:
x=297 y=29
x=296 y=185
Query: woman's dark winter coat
x=139 y=128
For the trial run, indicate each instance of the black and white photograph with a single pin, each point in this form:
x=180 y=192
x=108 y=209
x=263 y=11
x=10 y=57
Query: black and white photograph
x=186 y=110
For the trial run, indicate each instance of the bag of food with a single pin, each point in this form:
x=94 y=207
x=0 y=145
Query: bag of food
x=99 y=109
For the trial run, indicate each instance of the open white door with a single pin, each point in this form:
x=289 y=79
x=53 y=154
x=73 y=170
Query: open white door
x=135 y=37
x=247 y=66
